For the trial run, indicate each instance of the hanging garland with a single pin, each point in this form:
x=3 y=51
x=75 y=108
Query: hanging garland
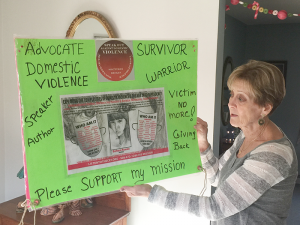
x=282 y=14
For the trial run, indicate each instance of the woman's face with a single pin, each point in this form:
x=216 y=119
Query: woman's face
x=118 y=126
x=244 y=112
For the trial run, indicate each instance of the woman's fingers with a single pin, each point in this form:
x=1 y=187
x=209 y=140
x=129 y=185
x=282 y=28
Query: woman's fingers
x=129 y=191
x=202 y=129
x=201 y=122
x=126 y=189
x=201 y=126
x=142 y=190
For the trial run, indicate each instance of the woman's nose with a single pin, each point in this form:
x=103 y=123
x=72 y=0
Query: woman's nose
x=231 y=102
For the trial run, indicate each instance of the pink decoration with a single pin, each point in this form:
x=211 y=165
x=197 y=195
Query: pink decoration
x=282 y=14
x=257 y=8
x=234 y=2
x=275 y=12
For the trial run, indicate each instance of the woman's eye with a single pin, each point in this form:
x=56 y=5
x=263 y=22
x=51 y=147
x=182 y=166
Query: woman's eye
x=119 y=121
x=241 y=99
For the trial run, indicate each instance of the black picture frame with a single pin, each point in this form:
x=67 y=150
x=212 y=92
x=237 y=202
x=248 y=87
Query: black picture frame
x=281 y=65
x=225 y=93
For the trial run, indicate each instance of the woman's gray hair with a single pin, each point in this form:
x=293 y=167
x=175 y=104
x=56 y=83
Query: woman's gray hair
x=265 y=81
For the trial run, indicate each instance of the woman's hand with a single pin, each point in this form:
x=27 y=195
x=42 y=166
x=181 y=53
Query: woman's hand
x=142 y=190
x=201 y=128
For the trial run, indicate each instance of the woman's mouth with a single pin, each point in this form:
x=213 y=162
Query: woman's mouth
x=233 y=115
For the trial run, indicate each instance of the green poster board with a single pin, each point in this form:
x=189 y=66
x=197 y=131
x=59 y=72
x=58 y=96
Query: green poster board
x=100 y=114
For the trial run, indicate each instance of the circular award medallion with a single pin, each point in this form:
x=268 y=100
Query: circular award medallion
x=114 y=60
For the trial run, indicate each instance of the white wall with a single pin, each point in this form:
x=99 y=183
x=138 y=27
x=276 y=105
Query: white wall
x=2 y=187
x=131 y=19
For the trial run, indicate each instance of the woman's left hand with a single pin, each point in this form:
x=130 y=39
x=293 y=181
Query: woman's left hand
x=202 y=129
x=142 y=190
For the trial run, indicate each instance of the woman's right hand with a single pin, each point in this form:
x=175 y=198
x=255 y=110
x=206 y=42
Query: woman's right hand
x=142 y=190
x=202 y=129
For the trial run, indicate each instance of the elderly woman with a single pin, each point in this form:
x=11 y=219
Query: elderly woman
x=255 y=178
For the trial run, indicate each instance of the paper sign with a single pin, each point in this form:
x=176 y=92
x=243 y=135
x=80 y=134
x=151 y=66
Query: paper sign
x=87 y=117
x=100 y=114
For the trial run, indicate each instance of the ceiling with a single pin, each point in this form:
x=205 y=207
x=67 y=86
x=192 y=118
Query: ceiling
x=246 y=15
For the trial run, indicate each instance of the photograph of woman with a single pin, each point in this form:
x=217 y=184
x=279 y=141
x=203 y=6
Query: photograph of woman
x=256 y=176
x=119 y=130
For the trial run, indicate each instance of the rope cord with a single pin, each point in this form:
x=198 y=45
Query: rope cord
x=205 y=182
x=24 y=204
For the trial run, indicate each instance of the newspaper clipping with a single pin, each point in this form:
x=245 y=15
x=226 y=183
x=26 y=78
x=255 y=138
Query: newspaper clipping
x=112 y=128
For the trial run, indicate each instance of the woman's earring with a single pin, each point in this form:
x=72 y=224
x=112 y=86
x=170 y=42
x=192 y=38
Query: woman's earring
x=261 y=121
